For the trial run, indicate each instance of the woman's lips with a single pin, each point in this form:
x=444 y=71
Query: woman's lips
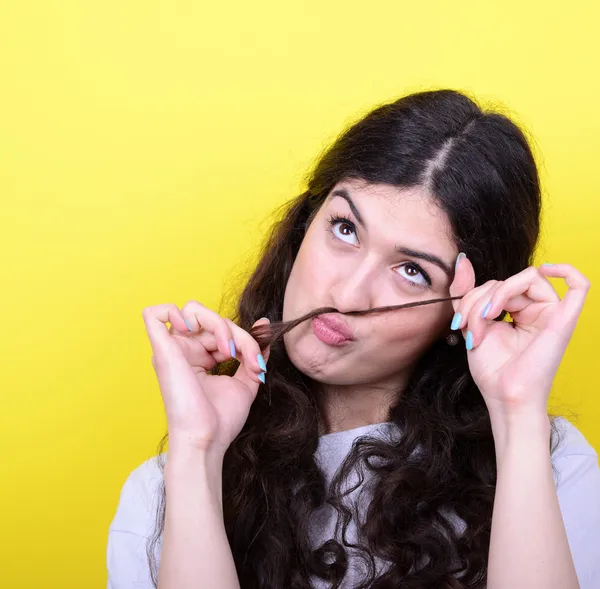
x=331 y=331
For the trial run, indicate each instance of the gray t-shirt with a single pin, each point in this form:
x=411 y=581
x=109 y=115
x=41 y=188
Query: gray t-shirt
x=578 y=490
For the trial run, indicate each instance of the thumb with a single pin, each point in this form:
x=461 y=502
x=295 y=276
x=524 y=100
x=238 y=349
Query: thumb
x=267 y=351
x=464 y=279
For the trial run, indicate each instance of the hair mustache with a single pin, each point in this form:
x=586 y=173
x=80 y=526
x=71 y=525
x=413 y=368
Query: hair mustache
x=265 y=335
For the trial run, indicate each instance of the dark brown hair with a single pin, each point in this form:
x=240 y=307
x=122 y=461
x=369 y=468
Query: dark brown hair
x=479 y=167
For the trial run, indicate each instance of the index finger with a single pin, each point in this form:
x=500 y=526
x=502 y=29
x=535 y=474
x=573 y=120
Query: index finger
x=578 y=287
x=155 y=319
x=464 y=279
x=211 y=321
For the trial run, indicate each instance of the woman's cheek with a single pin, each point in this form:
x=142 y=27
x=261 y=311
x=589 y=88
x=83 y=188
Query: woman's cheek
x=409 y=333
x=400 y=329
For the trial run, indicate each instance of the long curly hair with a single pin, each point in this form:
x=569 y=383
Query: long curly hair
x=479 y=167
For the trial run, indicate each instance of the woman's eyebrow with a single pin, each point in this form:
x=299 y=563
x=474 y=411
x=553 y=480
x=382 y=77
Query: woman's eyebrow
x=344 y=194
x=427 y=257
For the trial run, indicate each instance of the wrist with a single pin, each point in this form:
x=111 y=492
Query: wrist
x=530 y=429
x=190 y=466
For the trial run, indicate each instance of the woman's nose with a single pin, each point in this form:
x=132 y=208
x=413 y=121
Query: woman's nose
x=354 y=291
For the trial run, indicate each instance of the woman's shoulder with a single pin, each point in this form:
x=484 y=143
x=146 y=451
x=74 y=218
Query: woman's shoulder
x=573 y=457
x=577 y=478
x=139 y=497
x=570 y=441
x=133 y=525
x=149 y=473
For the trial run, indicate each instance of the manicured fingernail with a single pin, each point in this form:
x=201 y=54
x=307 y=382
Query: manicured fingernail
x=189 y=326
x=458 y=259
x=232 y=348
x=469 y=341
x=547 y=264
x=456 y=321
x=261 y=362
x=486 y=309
x=261 y=377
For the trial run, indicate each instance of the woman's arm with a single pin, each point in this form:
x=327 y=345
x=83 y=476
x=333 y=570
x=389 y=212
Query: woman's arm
x=514 y=363
x=195 y=550
x=529 y=546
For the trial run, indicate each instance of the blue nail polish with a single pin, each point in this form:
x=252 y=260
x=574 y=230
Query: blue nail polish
x=547 y=264
x=458 y=259
x=261 y=362
x=261 y=377
x=456 y=320
x=232 y=348
x=486 y=310
x=469 y=341
x=189 y=326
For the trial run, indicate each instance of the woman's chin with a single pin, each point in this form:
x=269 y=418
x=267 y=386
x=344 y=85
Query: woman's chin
x=321 y=365
x=312 y=358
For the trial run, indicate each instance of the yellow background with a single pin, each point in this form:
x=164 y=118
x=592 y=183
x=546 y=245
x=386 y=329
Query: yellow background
x=142 y=146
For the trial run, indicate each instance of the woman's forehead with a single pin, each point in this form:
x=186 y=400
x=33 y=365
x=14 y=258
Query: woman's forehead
x=393 y=210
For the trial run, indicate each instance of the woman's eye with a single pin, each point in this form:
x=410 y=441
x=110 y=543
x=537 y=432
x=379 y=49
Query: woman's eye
x=413 y=274
x=344 y=231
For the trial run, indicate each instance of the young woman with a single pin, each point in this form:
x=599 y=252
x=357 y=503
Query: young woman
x=374 y=451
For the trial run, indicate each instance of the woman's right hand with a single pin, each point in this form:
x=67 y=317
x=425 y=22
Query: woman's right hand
x=203 y=410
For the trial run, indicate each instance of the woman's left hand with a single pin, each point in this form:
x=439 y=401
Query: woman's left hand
x=514 y=364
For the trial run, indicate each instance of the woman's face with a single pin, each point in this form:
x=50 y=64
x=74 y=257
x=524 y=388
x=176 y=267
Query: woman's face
x=370 y=245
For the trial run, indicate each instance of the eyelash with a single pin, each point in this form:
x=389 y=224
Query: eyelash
x=334 y=219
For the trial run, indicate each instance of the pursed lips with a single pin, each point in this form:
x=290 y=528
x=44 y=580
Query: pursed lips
x=338 y=325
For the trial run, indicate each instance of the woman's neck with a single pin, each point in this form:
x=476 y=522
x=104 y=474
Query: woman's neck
x=351 y=406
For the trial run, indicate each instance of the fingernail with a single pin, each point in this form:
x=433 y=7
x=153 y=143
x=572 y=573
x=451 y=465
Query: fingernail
x=469 y=341
x=232 y=348
x=189 y=326
x=547 y=264
x=261 y=377
x=265 y=318
x=486 y=309
x=261 y=362
x=458 y=259
x=456 y=321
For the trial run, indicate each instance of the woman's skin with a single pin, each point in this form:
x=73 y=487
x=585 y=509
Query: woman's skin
x=353 y=265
